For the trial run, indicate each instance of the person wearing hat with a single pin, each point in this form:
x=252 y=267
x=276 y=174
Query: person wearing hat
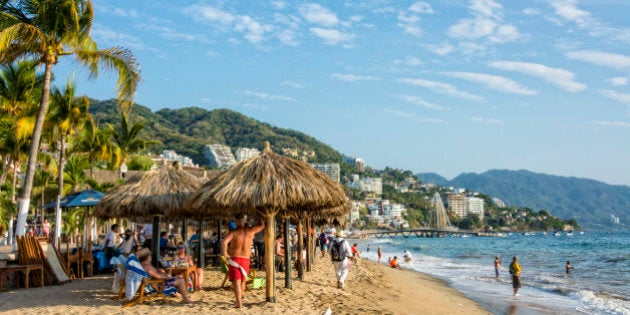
x=170 y=282
x=340 y=252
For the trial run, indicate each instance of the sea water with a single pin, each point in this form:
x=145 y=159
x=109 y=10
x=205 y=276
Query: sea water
x=599 y=283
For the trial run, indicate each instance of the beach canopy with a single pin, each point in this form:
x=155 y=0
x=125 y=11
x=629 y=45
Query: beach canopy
x=158 y=192
x=267 y=185
x=86 y=198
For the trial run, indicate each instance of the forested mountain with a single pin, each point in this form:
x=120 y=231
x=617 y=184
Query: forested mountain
x=589 y=201
x=188 y=130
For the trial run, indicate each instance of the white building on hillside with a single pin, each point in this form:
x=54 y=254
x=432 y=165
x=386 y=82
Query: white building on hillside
x=219 y=155
x=243 y=154
x=476 y=206
x=171 y=155
x=331 y=169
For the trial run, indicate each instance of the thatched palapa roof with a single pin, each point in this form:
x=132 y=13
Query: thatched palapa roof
x=158 y=192
x=267 y=184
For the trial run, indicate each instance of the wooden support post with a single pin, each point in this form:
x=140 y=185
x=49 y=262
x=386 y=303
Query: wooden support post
x=300 y=249
x=201 y=259
x=155 y=241
x=270 y=283
x=309 y=246
x=287 y=255
x=185 y=232
x=219 y=240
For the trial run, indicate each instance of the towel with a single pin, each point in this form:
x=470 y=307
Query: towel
x=236 y=265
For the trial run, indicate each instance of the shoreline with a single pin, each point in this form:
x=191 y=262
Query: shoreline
x=370 y=289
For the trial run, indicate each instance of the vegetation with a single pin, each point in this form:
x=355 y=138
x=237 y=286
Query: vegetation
x=44 y=31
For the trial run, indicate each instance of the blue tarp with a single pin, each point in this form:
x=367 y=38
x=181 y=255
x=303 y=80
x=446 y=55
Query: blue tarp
x=84 y=198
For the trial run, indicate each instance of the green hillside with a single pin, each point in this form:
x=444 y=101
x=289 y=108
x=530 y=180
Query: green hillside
x=188 y=130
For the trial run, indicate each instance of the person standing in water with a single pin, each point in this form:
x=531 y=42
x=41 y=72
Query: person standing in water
x=379 y=251
x=515 y=271
x=569 y=267
x=497 y=266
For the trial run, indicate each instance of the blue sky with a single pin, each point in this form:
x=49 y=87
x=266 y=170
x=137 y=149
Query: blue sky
x=429 y=86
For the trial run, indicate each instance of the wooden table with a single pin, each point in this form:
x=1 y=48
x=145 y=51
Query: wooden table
x=185 y=272
x=26 y=270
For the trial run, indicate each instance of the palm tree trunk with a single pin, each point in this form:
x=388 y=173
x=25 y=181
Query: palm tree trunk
x=32 y=152
x=15 y=167
x=3 y=178
x=62 y=154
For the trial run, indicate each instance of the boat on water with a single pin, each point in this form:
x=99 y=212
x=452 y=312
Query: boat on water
x=570 y=233
x=557 y=233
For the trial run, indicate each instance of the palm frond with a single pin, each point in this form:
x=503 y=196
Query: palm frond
x=115 y=59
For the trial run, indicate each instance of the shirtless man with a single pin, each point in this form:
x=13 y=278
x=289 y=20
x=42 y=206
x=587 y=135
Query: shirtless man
x=238 y=255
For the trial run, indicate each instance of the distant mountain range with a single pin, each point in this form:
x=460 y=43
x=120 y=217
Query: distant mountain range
x=588 y=201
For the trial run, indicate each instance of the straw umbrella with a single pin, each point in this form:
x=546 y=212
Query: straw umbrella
x=266 y=185
x=152 y=194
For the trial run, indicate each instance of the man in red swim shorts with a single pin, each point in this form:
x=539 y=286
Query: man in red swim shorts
x=238 y=255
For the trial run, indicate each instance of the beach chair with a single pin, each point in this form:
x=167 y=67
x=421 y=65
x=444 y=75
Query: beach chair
x=252 y=280
x=121 y=273
x=73 y=258
x=139 y=287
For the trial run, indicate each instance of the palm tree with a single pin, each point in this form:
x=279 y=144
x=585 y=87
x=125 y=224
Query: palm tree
x=96 y=144
x=45 y=31
x=18 y=83
x=74 y=177
x=128 y=138
x=66 y=115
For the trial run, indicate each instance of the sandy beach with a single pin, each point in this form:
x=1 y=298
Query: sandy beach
x=370 y=289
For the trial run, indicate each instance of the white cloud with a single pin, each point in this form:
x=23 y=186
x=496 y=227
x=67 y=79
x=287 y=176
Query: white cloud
x=353 y=77
x=618 y=81
x=211 y=53
x=486 y=23
x=317 y=14
x=487 y=120
x=531 y=11
x=409 y=60
x=420 y=102
x=251 y=29
x=332 y=36
x=421 y=7
x=278 y=5
x=441 y=49
x=601 y=58
x=556 y=76
x=430 y=120
x=409 y=19
x=270 y=97
x=568 y=11
x=494 y=82
x=442 y=88
x=620 y=124
x=616 y=96
x=109 y=37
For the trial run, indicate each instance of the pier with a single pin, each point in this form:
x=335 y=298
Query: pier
x=422 y=232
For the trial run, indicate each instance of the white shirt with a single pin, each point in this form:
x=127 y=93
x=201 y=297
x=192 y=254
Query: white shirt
x=111 y=237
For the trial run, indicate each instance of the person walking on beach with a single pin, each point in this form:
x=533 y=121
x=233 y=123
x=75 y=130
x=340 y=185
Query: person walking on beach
x=323 y=243
x=340 y=251
x=379 y=251
x=110 y=242
x=238 y=255
x=515 y=271
x=569 y=268
x=497 y=266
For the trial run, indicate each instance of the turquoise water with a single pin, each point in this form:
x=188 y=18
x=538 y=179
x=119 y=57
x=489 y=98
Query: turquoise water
x=599 y=284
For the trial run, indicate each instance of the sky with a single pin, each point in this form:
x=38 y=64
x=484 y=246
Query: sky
x=428 y=86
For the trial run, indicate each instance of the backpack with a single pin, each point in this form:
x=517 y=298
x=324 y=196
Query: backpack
x=336 y=251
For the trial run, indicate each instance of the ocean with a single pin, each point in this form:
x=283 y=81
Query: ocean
x=599 y=283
